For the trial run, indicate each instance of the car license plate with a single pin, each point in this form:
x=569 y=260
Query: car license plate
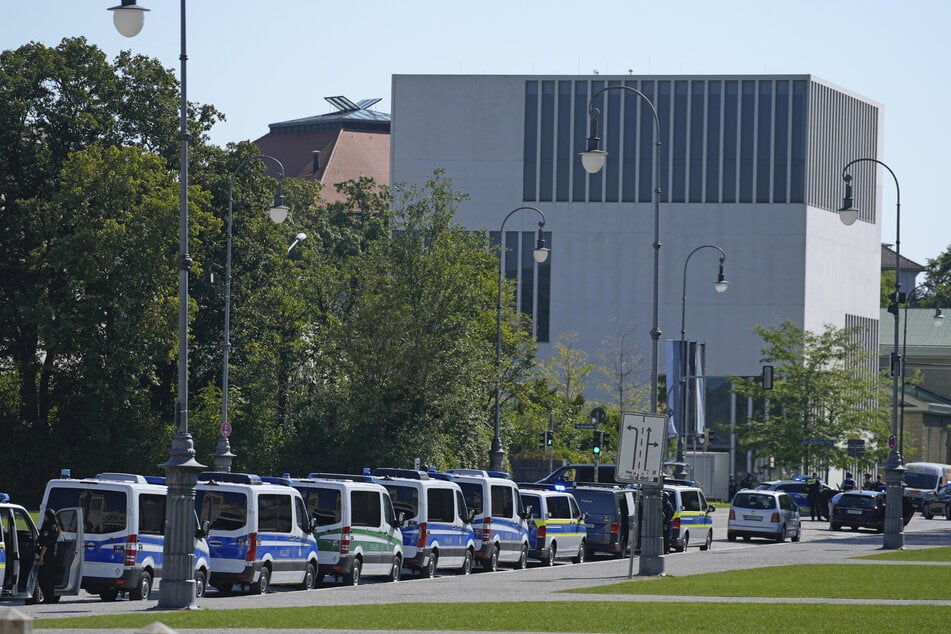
x=853 y=511
x=753 y=518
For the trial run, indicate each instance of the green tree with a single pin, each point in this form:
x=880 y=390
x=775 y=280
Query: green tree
x=822 y=390
x=938 y=289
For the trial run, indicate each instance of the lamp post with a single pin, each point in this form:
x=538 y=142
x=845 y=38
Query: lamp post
x=539 y=254
x=652 y=540
x=720 y=285
x=893 y=537
x=178 y=570
x=278 y=213
x=937 y=322
x=297 y=240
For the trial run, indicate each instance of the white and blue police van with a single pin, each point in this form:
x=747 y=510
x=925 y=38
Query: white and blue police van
x=556 y=524
x=121 y=526
x=437 y=533
x=357 y=529
x=259 y=533
x=500 y=522
x=19 y=555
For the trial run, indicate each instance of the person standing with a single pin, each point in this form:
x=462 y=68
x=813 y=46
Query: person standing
x=47 y=541
x=867 y=484
x=849 y=483
x=812 y=488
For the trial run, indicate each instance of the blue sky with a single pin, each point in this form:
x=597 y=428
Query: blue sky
x=264 y=61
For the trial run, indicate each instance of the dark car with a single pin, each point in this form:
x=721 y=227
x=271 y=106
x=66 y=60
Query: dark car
x=572 y=474
x=608 y=509
x=858 y=509
x=937 y=504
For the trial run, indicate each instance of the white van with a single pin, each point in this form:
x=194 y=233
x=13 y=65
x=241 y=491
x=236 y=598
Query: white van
x=260 y=533
x=123 y=532
x=437 y=533
x=358 y=531
x=923 y=479
x=500 y=522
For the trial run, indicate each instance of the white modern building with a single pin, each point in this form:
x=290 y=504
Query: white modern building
x=752 y=164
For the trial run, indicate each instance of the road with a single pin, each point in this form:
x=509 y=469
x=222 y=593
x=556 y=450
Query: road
x=537 y=583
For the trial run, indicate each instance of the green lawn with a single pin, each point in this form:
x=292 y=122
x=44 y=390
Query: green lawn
x=941 y=553
x=856 y=581
x=864 y=581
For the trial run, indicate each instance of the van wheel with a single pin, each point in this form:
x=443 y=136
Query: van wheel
x=709 y=541
x=352 y=578
x=109 y=595
x=397 y=569
x=523 y=558
x=467 y=563
x=310 y=577
x=201 y=582
x=579 y=558
x=144 y=589
x=429 y=570
x=686 y=542
x=264 y=582
x=491 y=563
x=550 y=555
x=926 y=512
x=947 y=512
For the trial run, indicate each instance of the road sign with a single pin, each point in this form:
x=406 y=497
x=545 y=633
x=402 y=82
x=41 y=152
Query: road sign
x=856 y=448
x=584 y=426
x=226 y=429
x=641 y=445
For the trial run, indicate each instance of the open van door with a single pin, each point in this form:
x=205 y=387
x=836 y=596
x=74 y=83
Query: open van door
x=69 y=552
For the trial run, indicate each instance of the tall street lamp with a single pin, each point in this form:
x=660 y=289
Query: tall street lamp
x=278 y=213
x=539 y=254
x=652 y=540
x=894 y=537
x=177 y=589
x=720 y=285
x=937 y=321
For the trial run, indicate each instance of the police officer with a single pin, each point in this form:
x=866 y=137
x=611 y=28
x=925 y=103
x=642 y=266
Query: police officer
x=812 y=487
x=849 y=483
x=668 y=521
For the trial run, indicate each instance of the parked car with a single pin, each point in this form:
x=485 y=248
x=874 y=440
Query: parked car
x=769 y=514
x=691 y=521
x=608 y=510
x=938 y=504
x=556 y=525
x=923 y=480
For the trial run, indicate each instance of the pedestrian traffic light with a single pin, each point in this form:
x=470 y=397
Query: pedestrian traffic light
x=549 y=439
x=598 y=441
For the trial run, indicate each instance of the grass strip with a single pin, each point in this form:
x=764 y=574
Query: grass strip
x=940 y=553
x=600 y=616
x=832 y=581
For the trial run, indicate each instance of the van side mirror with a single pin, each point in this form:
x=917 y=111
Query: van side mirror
x=526 y=513
x=711 y=509
x=202 y=531
x=470 y=515
x=583 y=517
x=400 y=520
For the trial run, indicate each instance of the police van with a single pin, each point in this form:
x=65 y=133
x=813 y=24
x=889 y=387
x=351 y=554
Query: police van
x=556 y=525
x=691 y=520
x=437 y=533
x=260 y=533
x=357 y=529
x=500 y=523
x=19 y=555
x=122 y=531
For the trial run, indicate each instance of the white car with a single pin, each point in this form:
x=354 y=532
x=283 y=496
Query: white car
x=768 y=514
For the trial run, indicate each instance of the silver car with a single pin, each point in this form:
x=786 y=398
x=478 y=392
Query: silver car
x=768 y=514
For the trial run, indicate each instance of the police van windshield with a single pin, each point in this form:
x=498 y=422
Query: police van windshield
x=103 y=511
x=920 y=480
x=225 y=510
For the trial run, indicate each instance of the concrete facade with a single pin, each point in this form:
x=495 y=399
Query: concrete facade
x=788 y=258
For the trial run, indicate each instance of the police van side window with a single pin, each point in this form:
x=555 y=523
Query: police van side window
x=503 y=501
x=302 y=517
x=440 y=504
x=225 y=510
x=103 y=511
x=274 y=513
x=472 y=492
x=151 y=514
x=324 y=506
x=558 y=508
x=365 y=508
x=405 y=499
x=690 y=501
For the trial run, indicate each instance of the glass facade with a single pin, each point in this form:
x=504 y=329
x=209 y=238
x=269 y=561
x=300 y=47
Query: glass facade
x=723 y=140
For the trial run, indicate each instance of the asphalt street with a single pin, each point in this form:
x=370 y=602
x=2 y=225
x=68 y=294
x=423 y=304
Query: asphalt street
x=537 y=583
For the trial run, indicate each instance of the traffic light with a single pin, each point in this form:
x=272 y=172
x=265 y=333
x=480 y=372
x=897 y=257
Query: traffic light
x=542 y=439
x=549 y=439
x=598 y=442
